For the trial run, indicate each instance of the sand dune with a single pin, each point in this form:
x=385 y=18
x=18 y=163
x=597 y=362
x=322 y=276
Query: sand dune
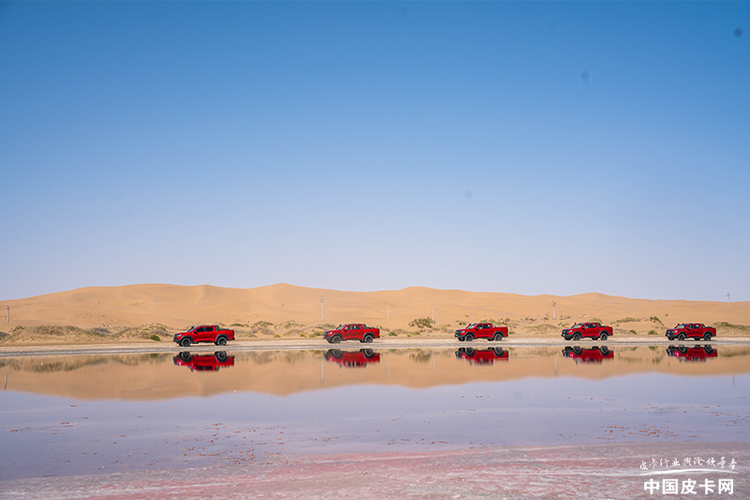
x=177 y=307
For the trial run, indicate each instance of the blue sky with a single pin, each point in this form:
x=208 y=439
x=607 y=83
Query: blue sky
x=532 y=148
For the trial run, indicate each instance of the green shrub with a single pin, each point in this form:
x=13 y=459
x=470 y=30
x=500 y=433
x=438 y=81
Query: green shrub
x=303 y=335
x=317 y=334
x=276 y=336
x=626 y=320
x=655 y=320
x=155 y=337
x=408 y=334
x=652 y=332
x=421 y=323
x=633 y=332
x=392 y=334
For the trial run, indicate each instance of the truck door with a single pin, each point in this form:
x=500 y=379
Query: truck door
x=355 y=332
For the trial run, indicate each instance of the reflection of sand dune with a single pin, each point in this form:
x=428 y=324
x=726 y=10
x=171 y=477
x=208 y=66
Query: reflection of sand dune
x=181 y=306
x=145 y=377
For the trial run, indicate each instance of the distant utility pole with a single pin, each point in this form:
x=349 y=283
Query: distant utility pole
x=387 y=310
x=9 y=313
x=729 y=298
x=553 y=310
x=433 y=315
x=322 y=316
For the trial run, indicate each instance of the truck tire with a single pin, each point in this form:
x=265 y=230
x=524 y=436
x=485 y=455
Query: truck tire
x=469 y=337
x=576 y=336
x=221 y=340
x=221 y=356
x=368 y=339
x=603 y=336
x=604 y=350
x=498 y=337
x=186 y=356
x=368 y=353
x=335 y=339
x=681 y=337
x=460 y=339
x=707 y=336
x=186 y=341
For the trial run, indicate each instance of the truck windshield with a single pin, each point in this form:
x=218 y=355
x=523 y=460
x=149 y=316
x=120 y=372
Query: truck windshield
x=577 y=325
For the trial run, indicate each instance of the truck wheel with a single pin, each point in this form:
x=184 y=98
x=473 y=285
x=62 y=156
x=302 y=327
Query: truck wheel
x=368 y=353
x=604 y=350
x=368 y=339
x=460 y=339
x=185 y=342
x=682 y=349
x=336 y=353
x=681 y=337
x=498 y=337
x=498 y=351
x=186 y=356
x=221 y=356
x=577 y=350
x=603 y=336
x=221 y=341
x=469 y=351
x=469 y=337
x=336 y=339
x=707 y=337
x=576 y=336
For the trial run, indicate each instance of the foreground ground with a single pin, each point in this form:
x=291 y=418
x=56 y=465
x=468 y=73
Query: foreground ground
x=612 y=471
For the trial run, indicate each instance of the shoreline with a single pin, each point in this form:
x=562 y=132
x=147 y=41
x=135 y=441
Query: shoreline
x=321 y=345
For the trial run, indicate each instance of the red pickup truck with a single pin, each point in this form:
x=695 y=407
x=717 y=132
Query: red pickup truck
x=352 y=331
x=204 y=333
x=691 y=331
x=481 y=331
x=590 y=330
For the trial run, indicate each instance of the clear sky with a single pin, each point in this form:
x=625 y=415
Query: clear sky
x=533 y=148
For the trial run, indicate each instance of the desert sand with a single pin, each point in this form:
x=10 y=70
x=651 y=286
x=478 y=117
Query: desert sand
x=134 y=312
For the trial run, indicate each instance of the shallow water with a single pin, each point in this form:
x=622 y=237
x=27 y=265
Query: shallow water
x=86 y=414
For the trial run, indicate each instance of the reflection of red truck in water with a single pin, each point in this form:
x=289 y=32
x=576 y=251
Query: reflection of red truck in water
x=587 y=330
x=352 y=359
x=588 y=355
x=482 y=356
x=204 y=333
x=204 y=362
x=482 y=331
x=696 y=353
x=691 y=331
x=352 y=331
